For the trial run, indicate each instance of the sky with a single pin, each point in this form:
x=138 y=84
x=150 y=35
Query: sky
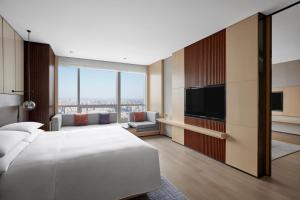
x=95 y=83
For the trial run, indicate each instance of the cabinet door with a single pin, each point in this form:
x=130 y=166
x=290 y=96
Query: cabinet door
x=1 y=59
x=19 y=63
x=9 y=58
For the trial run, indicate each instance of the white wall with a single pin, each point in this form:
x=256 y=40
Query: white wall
x=168 y=92
x=285 y=35
x=286 y=78
x=286 y=74
x=78 y=62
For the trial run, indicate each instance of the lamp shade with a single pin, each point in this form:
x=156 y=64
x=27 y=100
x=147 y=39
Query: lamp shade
x=28 y=105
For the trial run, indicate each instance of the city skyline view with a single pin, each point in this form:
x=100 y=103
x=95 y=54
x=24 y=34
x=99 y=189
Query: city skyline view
x=99 y=84
x=88 y=90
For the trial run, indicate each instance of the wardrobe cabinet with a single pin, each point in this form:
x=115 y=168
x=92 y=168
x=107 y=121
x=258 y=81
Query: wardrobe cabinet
x=9 y=58
x=1 y=58
x=19 y=44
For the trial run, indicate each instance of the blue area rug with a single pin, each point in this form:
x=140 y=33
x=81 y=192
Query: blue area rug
x=167 y=191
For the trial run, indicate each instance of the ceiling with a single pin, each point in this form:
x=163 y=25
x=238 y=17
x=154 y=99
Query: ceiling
x=128 y=31
x=285 y=35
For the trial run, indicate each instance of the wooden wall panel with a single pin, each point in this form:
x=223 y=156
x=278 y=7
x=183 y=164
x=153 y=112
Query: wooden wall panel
x=51 y=83
x=41 y=77
x=191 y=65
x=210 y=146
x=205 y=61
x=205 y=65
x=206 y=123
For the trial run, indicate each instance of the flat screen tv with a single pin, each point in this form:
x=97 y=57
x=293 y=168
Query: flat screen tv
x=277 y=101
x=206 y=102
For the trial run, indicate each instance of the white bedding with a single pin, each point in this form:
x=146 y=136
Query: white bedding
x=105 y=163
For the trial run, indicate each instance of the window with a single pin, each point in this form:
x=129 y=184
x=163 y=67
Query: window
x=95 y=90
x=132 y=93
x=98 y=90
x=67 y=83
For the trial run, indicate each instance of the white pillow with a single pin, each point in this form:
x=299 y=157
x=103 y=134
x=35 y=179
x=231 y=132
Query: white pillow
x=6 y=160
x=29 y=127
x=9 y=139
x=30 y=138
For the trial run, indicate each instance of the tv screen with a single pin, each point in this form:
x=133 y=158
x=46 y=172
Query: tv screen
x=194 y=102
x=205 y=102
x=277 y=101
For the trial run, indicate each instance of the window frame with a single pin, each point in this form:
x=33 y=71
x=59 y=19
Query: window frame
x=118 y=104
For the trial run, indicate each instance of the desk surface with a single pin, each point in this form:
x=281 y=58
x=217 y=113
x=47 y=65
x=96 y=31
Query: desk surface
x=196 y=129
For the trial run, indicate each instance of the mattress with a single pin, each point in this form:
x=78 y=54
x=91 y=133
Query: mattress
x=101 y=163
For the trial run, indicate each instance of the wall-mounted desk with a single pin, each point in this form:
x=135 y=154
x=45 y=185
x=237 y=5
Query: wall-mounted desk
x=196 y=129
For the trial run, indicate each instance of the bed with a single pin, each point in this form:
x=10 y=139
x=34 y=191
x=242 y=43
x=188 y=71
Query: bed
x=101 y=163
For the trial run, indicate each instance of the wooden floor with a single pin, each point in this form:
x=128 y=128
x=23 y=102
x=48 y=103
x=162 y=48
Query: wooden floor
x=200 y=177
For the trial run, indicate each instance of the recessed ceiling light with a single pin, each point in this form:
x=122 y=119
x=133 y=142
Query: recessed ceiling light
x=124 y=58
x=71 y=52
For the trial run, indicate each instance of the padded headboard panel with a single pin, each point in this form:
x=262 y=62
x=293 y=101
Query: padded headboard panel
x=10 y=110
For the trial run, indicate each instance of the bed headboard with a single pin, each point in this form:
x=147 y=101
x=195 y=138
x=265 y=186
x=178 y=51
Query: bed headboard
x=10 y=110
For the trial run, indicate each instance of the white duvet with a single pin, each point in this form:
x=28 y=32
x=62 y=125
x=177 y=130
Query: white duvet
x=95 y=164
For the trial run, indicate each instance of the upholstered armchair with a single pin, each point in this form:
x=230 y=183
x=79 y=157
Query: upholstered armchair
x=144 y=121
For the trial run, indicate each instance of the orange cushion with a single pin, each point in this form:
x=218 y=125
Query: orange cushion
x=81 y=119
x=139 y=116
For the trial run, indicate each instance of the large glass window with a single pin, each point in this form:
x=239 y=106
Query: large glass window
x=67 y=93
x=132 y=93
x=98 y=90
x=94 y=90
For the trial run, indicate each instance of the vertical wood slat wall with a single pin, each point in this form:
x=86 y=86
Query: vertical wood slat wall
x=41 y=81
x=205 y=61
x=205 y=65
x=210 y=146
x=206 y=123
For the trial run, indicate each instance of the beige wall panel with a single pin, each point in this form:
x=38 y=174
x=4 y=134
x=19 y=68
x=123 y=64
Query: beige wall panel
x=242 y=103
x=286 y=74
x=178 y=69
x=155 y=87
x=242 y=95
x=178 y=95
x=178 y=104
x=178 y=135
x=241 y=148
x=1 y=59
x=9 y=58
x=291 y=101
x=241 y=41
x=19 y=63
